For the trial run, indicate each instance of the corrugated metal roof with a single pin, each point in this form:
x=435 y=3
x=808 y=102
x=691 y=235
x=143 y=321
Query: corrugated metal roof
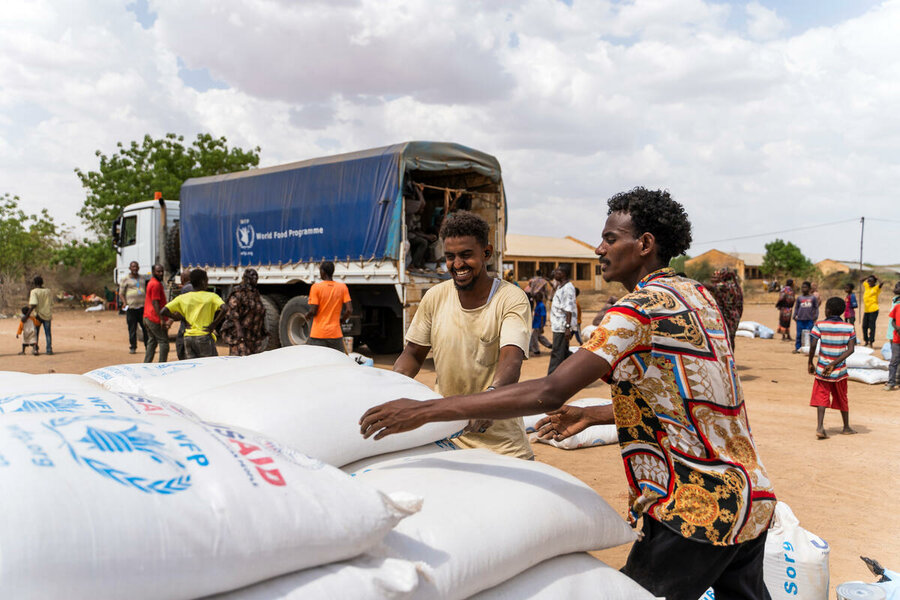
x=540 y=246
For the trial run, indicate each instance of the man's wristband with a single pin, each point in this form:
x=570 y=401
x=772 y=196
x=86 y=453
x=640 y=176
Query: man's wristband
x=490 y=388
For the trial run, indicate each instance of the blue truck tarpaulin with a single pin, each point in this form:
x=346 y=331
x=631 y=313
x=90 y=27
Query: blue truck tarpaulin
x=339 y=207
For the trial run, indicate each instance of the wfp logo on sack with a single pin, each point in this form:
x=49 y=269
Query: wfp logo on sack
x=123 y=450
x=246 y=235
x=39 y=403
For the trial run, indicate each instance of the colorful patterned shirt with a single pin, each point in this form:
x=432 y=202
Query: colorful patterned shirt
x=690 y=460
x=563 y=302
x=834 y=336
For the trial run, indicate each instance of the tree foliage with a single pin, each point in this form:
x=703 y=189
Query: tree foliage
x=701 y=271
x=677 y=263
x=27 y=241
x=139 y=169
x=92 y=257
x=784 y=259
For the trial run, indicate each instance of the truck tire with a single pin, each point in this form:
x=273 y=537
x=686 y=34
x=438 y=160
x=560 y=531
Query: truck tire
x=272 y=315
x=173 y=248
x=293 y=327
x=280 y=299
x=392 y=340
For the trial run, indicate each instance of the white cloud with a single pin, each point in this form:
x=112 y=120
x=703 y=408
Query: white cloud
x=752 y=130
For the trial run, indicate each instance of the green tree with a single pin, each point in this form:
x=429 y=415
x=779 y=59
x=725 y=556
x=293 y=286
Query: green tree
x=701 y=271
x=91 y=257
x=139 y=169
x=27 y=242
x=784 y=259
x=677 y=263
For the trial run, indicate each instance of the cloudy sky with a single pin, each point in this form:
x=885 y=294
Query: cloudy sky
x=759 y=116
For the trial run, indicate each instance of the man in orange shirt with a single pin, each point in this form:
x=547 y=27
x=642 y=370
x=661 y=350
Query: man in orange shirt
x=329 y=303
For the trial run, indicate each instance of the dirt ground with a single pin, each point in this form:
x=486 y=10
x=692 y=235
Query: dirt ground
x=839 y=488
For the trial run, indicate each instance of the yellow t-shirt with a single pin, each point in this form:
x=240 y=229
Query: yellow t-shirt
x=870 y=296
x=466 y=345
x=42 y=301
x=198 y=309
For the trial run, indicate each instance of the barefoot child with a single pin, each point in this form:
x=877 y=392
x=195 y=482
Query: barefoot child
x=28 y=331
x=838 y=340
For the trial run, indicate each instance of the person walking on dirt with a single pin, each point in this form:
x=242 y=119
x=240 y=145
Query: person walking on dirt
x=244 y=329
x=478 y=328
x=203 y=311
x=329 y=304
x=40 y=304
x=871 y=289
x=838 y=340
x=785 y=306
x=806 y=312
x=562 y=316
x=156 y=326
x=684 y=434
x=132 y=292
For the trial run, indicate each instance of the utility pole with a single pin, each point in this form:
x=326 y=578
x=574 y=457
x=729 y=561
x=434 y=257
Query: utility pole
x=862 y=229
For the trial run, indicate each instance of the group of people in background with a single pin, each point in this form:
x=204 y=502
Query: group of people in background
x=564 y=315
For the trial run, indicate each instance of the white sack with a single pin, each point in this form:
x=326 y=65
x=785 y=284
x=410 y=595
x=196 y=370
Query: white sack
x=363 y=578
x=433 y=448
x=795 y=566
x=317 y=410
x=863 y=349
x=13 y=383
x=870 y=376
x=743 y=333
x=577 y=576
x=588 y=331
x=751 y=326
x=486 y=517
x=765 y=333
x=860 y=360
x=596 y=435
x=886 y=351
x=118 y=496
x=181 y=379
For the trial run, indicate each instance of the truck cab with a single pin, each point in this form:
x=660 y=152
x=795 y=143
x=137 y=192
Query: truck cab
x=137 y=232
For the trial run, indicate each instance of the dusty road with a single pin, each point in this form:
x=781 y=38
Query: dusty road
x=839 y=488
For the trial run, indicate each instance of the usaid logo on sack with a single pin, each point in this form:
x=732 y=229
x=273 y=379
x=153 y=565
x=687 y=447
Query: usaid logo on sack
x=245 y=234
x=124 y=450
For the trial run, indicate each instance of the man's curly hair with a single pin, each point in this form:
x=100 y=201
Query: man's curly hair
x=654 y=211
x=463 y=223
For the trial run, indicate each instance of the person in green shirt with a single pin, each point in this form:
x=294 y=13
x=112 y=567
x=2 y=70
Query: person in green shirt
x=202 y=311
x=40 y=302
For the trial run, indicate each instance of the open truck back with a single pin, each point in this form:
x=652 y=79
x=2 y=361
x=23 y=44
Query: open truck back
x=350 y=209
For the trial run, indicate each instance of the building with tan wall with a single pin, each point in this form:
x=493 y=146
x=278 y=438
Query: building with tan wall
x=748 y=265
x=526 y=254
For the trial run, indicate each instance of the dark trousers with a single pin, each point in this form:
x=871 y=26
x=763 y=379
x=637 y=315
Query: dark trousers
x=559 y=352
x=48 y=337
x=894 y=364
x=199 y=346
x=868 y=326
x=538 y=340
x=158 y=337
x=333 y=343
x=179 y=341
x=669 y=565
x=135 y=317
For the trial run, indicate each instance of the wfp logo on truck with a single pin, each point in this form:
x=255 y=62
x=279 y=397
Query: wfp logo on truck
x=245 y=234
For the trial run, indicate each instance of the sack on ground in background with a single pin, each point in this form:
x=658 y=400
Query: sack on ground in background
x=120 y=496
x=751 y=326
x=886 y=351
x=765 y=333
x=866 y=360
x=577 y=576
x=743 y=333
x=317 y=410
x=596 y=435
x=486 y=518
x=870 y=376
x=795 y=566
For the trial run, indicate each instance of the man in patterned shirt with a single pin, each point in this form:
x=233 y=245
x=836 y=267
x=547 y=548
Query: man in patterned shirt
x=838 y=340
x=693 y=471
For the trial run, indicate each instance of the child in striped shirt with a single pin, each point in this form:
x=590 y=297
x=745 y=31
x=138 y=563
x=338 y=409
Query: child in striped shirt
x=838 y=340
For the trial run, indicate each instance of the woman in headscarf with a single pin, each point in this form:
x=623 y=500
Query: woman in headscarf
x=727 y=291
x=244 y=329
x=785 y=306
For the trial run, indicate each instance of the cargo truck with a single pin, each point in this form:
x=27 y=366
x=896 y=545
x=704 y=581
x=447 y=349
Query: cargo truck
x=351 y=209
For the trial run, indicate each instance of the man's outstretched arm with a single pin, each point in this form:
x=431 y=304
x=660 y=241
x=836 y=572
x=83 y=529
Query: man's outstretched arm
x=526 y=398
x=411 y=359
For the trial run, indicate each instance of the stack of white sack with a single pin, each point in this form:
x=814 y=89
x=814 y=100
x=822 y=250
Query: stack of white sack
x=864 y=366
x=751 y=329
x=597 y=435
x=306 y=397
x=116 y=495
x=488 y=520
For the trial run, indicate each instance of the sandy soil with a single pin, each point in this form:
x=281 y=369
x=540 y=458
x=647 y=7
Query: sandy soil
x=839 y=488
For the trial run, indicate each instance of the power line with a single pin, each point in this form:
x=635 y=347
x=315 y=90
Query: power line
x=744 y=237
x=884 y=220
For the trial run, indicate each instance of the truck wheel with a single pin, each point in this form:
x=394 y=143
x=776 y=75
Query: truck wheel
x=173 y=248
x=392 y=340
x=280 y=299
x=271 y=322
x=293 y=326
